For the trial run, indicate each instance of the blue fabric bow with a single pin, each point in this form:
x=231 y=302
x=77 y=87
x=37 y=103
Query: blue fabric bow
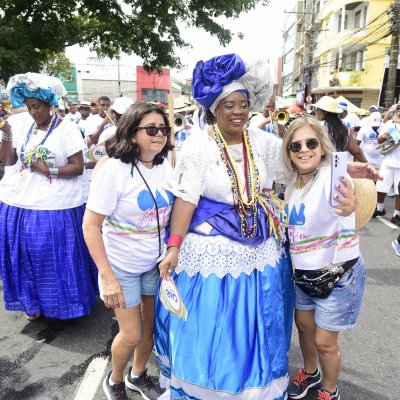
x=211 y=76
x=20 y=92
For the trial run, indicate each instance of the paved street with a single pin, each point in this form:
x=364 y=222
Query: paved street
x=47 y=359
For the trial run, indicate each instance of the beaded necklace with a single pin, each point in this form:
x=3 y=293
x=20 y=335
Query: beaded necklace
x=48 y=132
x=247 y=207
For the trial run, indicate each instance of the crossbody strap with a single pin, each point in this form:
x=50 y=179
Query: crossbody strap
x=155 y=203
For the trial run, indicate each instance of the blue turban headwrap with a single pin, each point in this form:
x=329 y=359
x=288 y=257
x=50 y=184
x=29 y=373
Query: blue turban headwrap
x=48 y=89
x=217 y=78
x=20 y=92
x=210 y=77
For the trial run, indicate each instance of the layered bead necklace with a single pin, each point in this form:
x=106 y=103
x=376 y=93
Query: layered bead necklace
x=247 y=207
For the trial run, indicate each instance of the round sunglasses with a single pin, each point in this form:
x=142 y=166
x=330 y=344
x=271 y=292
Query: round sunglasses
x=311 y=143
x=153 y=130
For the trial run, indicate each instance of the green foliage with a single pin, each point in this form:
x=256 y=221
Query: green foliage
x=57 y=64
x=34 y=29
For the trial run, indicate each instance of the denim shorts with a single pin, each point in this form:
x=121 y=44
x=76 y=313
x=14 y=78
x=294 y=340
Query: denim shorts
x=339 y=311
x=135 y=285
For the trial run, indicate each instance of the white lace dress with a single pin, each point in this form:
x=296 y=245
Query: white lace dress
x=239 y=297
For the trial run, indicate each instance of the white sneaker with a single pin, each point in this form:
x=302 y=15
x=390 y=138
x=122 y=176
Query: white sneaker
x=396 y=246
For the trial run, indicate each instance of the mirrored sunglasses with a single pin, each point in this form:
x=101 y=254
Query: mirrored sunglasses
x=153 y=130
x=311 y=143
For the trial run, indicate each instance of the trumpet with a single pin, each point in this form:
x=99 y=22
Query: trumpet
x=179 y=122
x=282 y=117
x=392 y=140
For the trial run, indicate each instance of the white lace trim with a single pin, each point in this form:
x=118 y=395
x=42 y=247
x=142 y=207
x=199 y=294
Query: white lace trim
x=221 y=256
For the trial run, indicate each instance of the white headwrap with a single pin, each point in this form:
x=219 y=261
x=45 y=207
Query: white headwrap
x=256 y=80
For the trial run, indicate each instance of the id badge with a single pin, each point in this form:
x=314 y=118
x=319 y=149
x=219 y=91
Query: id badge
x=171 y=299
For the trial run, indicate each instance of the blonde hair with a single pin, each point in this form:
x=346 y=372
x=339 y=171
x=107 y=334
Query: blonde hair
x=324 y=139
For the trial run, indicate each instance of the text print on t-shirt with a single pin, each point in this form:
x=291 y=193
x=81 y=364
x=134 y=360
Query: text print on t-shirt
x=147 y=221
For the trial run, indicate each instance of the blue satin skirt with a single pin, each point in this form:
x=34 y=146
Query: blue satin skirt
x=235 y=342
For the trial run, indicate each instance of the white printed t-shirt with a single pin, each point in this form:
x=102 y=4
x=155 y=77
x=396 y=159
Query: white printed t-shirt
x=317 y=235
x=130 y=230
x=369 y=143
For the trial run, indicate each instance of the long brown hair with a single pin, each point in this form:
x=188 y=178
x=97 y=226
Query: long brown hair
x=121 y=145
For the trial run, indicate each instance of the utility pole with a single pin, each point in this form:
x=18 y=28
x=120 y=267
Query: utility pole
x=308 y=48
x=394 y=16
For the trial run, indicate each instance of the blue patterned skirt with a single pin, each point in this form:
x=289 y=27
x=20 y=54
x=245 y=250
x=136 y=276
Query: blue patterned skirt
x=234 y=344
x=45 y=264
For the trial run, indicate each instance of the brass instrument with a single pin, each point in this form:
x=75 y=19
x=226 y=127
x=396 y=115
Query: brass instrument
x=282 y=116
x=179 y=122
x=392 y=140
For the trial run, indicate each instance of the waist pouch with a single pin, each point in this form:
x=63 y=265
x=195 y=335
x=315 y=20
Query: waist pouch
x=320 y=283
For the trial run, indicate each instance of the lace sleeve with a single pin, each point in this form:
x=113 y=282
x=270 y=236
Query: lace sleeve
x=189 y=175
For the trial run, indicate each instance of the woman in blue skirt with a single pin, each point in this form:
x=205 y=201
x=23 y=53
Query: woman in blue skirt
x=45 y=264
x=227 y=249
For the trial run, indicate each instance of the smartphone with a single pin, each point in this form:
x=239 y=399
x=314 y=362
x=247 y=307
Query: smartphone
x=338 y=169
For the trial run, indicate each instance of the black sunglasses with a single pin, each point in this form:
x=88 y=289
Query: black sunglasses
x=153 y=130
x=311 y=144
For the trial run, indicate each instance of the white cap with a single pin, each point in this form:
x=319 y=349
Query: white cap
x=375 y=119
x=342 y=105
x=121 y=104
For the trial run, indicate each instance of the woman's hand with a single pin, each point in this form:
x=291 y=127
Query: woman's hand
x=363 y=170
x=112 y=292
x=39 y=166
x=169 y=263
x=348 y=200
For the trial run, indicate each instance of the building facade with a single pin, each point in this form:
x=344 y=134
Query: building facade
x=342 y=48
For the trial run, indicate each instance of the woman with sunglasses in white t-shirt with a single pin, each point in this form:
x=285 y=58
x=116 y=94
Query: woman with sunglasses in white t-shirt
x=124 y=226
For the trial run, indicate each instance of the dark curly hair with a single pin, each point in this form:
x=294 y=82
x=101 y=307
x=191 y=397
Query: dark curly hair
x=121 y=146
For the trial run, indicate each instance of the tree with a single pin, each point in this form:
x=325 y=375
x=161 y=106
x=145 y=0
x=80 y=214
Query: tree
x=57 y=64
x=31 y=29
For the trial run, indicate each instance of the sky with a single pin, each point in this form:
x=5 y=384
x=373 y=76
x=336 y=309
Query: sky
x=261 y=27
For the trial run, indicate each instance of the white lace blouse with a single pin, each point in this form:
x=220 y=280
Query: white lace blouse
x=201 y=172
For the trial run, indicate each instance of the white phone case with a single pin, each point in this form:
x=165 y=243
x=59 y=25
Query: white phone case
x=338 y=169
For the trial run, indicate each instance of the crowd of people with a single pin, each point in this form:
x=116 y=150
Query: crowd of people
x=245 y=262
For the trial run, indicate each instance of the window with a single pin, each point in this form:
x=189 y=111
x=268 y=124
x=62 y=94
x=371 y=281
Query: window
x=155 y=95
x=364 y=22
x=357 y=19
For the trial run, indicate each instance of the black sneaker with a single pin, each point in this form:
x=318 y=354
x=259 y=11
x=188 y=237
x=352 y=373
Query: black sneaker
x=302 y=383
x=323 y=394
x=395 y=220
x=379 y=213
x=116 y=391
x=147 y=386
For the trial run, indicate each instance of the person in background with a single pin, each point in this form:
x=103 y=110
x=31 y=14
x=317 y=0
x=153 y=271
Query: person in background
x=367 y=138
x=45 y=264
x=327 y=112
x=124 y=225
x=101 y=120
x=85 y=119
x=93 y=109
x=331 y=243
x=349 y=119
x=118 y=108
x=391 y=112
x=266 y=121
x=74 y=115
x=390 y=169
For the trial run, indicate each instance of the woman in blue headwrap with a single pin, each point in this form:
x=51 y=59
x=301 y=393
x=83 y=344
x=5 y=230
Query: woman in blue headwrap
x=233 y=271
x=45 y=265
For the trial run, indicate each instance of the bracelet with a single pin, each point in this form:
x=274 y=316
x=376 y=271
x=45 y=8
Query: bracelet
x=174 y=241
x=53 y=173
x=6 y=136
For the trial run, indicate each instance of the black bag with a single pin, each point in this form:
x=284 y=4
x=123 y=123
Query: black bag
x=320 y=283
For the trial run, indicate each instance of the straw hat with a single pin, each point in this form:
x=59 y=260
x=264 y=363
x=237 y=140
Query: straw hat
x=365 y=192
x=328 y=104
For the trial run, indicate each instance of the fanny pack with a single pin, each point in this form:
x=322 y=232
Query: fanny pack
x=320 y=283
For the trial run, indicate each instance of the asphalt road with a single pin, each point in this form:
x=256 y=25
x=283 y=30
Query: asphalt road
x=47 y=359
